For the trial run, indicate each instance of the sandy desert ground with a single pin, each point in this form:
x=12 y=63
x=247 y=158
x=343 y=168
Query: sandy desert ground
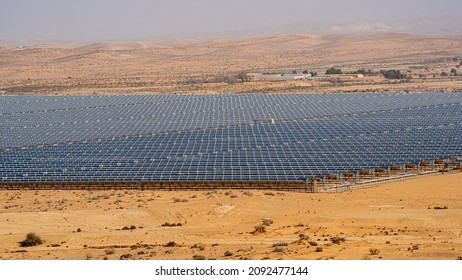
x=147 y=67
x=417 y=219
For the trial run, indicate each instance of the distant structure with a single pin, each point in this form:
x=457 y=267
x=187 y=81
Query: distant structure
x=297 y=77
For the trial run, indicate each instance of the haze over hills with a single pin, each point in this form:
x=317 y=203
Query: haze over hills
x=435 y=26
x=451 y=26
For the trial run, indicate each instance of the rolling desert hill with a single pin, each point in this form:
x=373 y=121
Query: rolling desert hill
x=190 y=66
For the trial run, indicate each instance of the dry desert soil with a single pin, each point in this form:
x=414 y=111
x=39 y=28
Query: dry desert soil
x=416 y=219
x=148 y=67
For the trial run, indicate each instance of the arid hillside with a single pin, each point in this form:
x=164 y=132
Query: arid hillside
x=213 y=66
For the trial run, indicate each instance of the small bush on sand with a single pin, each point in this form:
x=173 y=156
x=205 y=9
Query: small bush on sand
x=374 y=251
x=279 y=250
x=176 y=200
x=199 y=246
x=109 y=251
x=228 y=253
x=337 y=239
x=319 y=249
x=198 y=257
x=267 y=221
x=313 y=243
x=280 y=244
x=170 y=244
x=32 y=239
x=259 y=229
x=125 y=256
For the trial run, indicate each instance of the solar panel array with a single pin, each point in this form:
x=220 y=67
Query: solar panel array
x=216 y=137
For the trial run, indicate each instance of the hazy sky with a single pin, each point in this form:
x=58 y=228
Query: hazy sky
x=134 y=19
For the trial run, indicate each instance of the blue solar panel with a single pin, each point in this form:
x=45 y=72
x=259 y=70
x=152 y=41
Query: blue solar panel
x=216 y=137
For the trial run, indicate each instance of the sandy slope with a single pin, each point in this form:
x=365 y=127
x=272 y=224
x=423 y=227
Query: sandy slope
x=399 y=220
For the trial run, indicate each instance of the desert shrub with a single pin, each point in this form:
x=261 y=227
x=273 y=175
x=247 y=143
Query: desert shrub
x=440 y=208
x=228 y=253
x=392 y=74
x=170 y=244
x=333 y=71
x=176 y=199
x=313 y=243
x=374 y=251
x=32 y=239
x=166 y=224
x=109 y=251
x=125 y=256
x=132 y=227
x=247 y=193
x=259 y=229
x=279 y=249
x=415 y=247
x=337 y=239
x=280 y=244
x=199 y=246
x=319 y=249
x=231 y=78
x=198 y=257
x=267 y=221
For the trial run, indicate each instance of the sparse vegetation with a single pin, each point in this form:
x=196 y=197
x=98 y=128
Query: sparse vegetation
x=233 y=78
x=125 y=256
x=267 y=221
x=32 y=239
x=166 y=224
x=280 y=244
x=279 y=250
x=374 y=251
x=318 y=249
x=109 y=251
x=228 y=253
x=170 y=244
x=393 y=74
x=333 y=71
x=337 y=239
x=199 y=246
x=176 y=200
x=198 y=257
x=259 y=229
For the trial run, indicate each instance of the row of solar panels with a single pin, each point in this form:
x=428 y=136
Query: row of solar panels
x=165 y=113
x=281 y=151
